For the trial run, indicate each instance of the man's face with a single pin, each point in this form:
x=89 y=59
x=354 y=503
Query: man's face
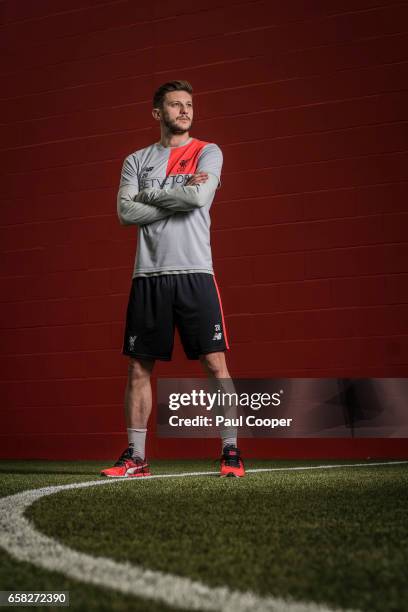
x=177 y=112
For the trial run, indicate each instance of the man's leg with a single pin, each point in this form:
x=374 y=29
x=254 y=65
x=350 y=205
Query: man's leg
x=138 y=392
x=138 y=406
x=216 y=367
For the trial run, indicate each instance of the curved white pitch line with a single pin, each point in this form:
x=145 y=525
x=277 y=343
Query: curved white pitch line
x=21 y=540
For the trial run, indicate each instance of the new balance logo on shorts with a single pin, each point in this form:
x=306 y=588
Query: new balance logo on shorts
x=217 y=332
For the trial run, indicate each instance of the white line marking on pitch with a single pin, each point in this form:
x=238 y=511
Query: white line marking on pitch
x=22 y=541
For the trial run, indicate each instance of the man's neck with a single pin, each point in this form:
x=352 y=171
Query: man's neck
x=174 y=140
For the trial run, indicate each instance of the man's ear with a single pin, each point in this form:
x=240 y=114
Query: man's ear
x=156 y=114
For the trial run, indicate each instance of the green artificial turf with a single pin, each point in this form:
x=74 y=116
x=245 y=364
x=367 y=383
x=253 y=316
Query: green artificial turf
x=336 y=536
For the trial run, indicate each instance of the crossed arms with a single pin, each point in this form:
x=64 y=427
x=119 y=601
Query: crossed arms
x=136 y=207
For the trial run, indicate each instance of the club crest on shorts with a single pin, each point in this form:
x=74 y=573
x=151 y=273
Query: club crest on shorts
x=132 y=340
x=217 y=332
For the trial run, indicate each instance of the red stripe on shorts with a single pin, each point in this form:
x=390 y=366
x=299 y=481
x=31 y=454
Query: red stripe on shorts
x=222 y=314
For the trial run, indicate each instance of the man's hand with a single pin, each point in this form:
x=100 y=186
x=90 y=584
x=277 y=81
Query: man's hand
x=196 y=179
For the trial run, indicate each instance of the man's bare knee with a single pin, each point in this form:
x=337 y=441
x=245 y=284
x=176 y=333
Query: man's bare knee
x=215 y=364
x=139 y=370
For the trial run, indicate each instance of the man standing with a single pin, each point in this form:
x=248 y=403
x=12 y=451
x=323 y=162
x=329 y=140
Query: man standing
x=167 y=190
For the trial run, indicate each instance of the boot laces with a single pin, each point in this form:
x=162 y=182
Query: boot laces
x=125 y=456
x=231 y=460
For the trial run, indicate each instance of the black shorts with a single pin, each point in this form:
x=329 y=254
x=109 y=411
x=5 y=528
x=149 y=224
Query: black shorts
x=159 y=304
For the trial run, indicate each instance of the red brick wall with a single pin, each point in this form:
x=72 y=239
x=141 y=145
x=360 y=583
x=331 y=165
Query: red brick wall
x=308 y=102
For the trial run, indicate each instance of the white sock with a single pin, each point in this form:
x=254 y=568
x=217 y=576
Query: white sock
x=137 y=441
x=228 y=438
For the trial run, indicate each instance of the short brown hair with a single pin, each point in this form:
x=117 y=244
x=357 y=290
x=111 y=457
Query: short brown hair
x=170 y=86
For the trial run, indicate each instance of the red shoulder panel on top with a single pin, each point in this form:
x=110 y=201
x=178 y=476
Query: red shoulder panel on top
x=184 y=160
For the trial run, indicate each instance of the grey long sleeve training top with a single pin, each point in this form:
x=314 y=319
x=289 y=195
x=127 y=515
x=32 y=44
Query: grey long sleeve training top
x=173 y=218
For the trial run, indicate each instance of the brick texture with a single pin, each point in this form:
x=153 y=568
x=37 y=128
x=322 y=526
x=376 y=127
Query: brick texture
x=309 y=104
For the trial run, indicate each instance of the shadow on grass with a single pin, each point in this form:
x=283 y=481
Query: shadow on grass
x=50 y=472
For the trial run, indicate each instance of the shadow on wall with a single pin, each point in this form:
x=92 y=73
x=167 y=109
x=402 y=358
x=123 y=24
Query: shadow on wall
x=344 y=407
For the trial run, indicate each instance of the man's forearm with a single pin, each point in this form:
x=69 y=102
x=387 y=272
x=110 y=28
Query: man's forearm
x=181 y=198
x=135 y=212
